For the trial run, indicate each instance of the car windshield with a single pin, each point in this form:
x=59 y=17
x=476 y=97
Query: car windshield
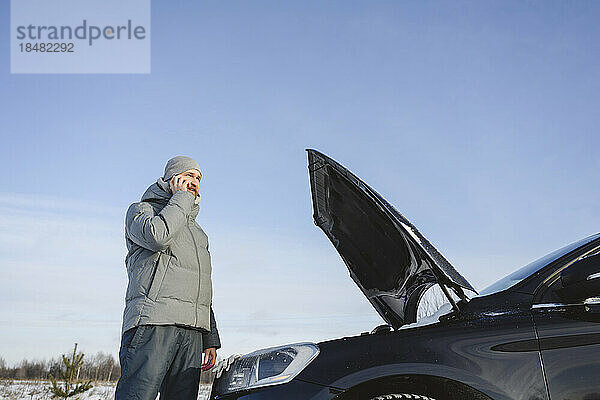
x=533 y=267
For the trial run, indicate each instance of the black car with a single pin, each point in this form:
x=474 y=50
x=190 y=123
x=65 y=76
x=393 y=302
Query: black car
x=534 y=334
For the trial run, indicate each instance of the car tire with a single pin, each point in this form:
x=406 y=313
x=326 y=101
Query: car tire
x=405 y=396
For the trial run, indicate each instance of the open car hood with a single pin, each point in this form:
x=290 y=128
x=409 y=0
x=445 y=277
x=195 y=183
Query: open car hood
x=387 y=257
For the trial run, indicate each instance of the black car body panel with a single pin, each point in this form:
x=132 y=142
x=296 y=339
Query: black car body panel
x=388 y=258
x=534 y=340
x=570 y=348
x=494 y=352
x=295 y=390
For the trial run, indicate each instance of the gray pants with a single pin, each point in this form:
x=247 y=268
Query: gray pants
x=160 y=358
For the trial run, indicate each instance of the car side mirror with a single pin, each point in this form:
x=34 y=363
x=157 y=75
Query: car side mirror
x=580 y=280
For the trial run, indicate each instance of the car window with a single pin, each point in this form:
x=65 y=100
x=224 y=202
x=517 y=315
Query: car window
x=531 y=268
x=547 y=292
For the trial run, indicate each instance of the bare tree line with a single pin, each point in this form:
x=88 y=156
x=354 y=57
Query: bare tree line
x=99 y=367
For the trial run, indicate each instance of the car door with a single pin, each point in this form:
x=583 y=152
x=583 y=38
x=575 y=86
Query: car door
x=566 y=312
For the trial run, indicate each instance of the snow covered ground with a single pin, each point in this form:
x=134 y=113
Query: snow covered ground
x=36 y=390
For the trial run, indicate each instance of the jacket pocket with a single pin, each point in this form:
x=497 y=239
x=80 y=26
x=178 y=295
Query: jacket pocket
x=158 y=276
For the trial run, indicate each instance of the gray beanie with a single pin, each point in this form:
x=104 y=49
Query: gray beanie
x=179 y=164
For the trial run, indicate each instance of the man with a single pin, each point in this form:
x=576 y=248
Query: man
x=168 y=320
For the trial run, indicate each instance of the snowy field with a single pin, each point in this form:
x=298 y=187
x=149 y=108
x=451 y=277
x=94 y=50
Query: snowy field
x=36 y=390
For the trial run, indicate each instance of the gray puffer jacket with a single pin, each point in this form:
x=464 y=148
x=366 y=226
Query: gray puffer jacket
x=168 y=264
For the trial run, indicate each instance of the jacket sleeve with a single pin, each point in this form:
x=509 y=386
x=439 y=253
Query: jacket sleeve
x=155 y=231
x=211 y=339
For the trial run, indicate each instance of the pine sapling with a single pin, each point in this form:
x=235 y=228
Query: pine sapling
x=71 y=386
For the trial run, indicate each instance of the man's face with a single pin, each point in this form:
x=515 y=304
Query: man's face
x=193 y=177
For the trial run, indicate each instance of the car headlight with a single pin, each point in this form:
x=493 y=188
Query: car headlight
x=272 y=366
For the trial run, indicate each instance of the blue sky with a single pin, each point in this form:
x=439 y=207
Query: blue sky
x=477 y=120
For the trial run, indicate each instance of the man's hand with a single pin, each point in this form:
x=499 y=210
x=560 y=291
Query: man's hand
x=210 y=356
x=182 y=182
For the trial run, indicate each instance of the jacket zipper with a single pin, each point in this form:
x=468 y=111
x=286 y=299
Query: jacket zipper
x=199 y=275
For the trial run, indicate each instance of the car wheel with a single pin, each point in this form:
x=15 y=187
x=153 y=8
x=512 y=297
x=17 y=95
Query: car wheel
x=402 y=396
